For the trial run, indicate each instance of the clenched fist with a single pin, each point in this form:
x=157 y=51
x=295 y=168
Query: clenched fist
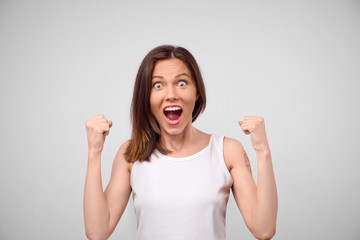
x=97 y=128
x=255 y=126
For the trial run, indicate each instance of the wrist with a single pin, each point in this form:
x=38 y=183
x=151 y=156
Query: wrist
x=263 y=153
x=94 y=153
x=94 y=156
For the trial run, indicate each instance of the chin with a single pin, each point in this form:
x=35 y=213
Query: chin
x=174 y=129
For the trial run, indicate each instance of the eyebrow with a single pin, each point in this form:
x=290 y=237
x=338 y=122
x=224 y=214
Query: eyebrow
x=179 y=75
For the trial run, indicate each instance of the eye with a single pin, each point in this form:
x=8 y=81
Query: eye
x=157 y=85
x=182 y=83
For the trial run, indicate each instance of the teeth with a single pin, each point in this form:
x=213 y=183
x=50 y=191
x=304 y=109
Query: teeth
x=172 y=108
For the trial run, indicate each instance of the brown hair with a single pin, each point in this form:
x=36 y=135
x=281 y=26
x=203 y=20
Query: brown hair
x=145 y=129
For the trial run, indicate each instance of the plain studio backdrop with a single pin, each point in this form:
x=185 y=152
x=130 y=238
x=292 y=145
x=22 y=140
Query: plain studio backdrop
x=295 y=63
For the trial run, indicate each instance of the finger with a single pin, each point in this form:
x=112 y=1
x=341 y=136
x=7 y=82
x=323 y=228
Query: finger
x=247 y=128
x=102 y=124
x=241 y=123
x=101 y=128
x=250 y=120
x=246 y=125
x=247 y=132
x=102 y=131
x=100 y=120
x=247 y=121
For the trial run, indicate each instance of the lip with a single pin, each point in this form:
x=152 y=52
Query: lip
x=170 y=122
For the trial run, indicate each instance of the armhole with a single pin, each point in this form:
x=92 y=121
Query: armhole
x=222 y=160
x=132 y=173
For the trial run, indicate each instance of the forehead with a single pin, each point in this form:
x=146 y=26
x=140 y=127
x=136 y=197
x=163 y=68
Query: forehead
x=170 y=67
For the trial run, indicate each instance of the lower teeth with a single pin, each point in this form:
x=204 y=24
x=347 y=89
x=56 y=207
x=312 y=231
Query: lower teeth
x=172 y=120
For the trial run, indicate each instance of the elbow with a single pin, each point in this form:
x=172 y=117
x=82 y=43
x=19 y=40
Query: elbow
x=89 y=235
x=265 y=235
x=92 y=235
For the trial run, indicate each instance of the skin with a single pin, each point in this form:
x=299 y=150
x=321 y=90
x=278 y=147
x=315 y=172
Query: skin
x=173 y=85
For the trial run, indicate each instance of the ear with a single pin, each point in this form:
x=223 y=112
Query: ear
x=197 y=96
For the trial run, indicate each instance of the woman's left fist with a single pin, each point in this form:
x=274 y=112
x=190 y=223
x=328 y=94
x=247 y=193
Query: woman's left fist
x=255 y=126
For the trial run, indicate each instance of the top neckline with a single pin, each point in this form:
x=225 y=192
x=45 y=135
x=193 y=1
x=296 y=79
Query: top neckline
x=179 y=159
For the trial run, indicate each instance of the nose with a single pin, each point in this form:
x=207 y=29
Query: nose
x=171 y=93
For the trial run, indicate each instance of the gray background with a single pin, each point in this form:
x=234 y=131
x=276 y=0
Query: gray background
x=296 y=63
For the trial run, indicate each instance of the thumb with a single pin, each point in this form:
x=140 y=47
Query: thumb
x=240 y=122
x=111 y=123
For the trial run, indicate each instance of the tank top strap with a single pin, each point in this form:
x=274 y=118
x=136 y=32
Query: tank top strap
x=218 y=148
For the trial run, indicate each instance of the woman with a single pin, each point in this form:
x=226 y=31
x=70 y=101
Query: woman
x=179 y=176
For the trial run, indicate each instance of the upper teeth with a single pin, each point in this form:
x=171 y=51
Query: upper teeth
x=172 y=108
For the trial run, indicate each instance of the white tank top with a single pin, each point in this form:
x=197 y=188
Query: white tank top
x=182 y=198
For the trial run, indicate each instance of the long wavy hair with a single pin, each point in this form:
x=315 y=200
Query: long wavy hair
x=145 y=129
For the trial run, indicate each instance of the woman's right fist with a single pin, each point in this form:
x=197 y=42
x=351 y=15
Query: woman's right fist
x=97 y=128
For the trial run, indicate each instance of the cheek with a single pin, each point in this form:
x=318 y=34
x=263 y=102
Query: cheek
x=152 y=99
x=191 y=100
x=195 y=96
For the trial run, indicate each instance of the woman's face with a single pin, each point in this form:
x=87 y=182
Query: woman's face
x=173 y=96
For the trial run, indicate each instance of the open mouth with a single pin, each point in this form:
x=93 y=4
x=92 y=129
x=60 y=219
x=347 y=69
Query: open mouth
x=173 y=113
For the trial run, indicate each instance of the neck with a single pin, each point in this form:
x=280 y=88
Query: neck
x=177 y=142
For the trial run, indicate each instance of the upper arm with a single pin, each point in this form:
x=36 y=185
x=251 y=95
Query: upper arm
x=244 y=187
x=118 y=190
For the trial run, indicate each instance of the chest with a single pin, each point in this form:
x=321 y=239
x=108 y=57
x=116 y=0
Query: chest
x=178 y=184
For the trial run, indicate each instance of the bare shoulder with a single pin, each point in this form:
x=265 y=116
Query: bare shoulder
x=232 y=148
x=234 y=153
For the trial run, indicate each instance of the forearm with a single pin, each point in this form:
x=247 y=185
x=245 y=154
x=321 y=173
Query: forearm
x=266 y=204
x=96 y=211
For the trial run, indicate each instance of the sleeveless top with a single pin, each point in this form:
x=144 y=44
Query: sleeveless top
x=182 y=198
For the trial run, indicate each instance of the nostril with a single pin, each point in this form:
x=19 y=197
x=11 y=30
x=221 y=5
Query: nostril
x=171 y=97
